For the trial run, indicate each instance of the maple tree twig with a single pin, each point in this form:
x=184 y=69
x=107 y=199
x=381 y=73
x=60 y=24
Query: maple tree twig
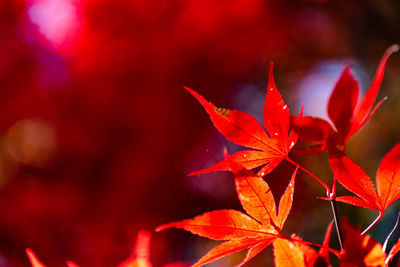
x=373 y=223
x=335 y=217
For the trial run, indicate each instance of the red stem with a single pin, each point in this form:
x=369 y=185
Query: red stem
x=331 y=195
x=334 y=252
x=327 y=188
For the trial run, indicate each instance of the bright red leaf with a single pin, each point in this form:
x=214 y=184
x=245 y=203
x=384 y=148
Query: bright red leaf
x=272 y=145
x=393 y=251
x=141 y=255
x=71 y=264
x=34 y=260
x=353 y=178
x=388 y=177
x=240 y=230
x=347 y=114
x=312 y=258
x=360 y=250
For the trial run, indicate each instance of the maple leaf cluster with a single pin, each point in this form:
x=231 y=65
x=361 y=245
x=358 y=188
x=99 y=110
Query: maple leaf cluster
x=268 y=146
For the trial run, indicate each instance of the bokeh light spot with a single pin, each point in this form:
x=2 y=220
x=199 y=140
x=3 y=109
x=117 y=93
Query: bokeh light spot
x=57 y=20
x=31 y=142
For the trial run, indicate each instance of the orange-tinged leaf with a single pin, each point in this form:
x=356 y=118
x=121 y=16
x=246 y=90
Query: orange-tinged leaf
x=34 y=260
x=225 y=249
x=360 y=250
x=141 y=255
x=254 y=251
x=136 y=262
x=178 y=264
x=276 y=113
x=287 y=254
x=388 y=177
x=393 y=251
x=223 y=225
x=353 y=178
x=237 y=126
x=309 y=254
x=364 y=107
x=285 y=204
x=71 y=264
x=241 y=230
x=248 y=158
x=255 y=196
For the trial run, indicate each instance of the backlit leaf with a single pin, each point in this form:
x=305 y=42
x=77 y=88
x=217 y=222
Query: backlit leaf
x=287 y=254
x=311 y=129
x=237 y=126
x=242 y=129
x=223 y=225
x=248 y=158
x=364 y=107
x=72 y=264
x=285 y=204
x=276 y=113
x=254 y=251
x=388 y=177
x=393 y=251
x=241 y=230
x=347 y=115
x=34 y=260
x=342 y=102
x=226 y=248
x=353 y=178
x=255 y=196
x=141 y=255
x=360 y=250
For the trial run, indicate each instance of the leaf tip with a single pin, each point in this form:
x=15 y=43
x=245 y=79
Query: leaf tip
x=165 y=226
x=71 y=264
x=393 y=49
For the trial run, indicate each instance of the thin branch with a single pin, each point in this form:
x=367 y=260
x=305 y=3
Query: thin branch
x=335 y=217
x=373 y=223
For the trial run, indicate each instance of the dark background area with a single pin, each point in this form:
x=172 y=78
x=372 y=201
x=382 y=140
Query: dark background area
x=97 y=134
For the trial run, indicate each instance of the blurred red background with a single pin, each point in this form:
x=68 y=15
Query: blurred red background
x=97 y=134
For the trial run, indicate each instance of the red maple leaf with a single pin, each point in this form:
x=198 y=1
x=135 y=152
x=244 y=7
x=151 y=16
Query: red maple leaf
x=393 y=251
x=360 y=250
x=140 y=257
x=353 y=178
x=313 y=258
x=255 y=230
x=270 y=146
x=345 y=111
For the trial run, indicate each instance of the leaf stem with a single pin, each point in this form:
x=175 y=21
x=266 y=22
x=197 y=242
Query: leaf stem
x=327 y=188
x=334 y=252
x=335 y=217
x=330 y=196
x=373 y=223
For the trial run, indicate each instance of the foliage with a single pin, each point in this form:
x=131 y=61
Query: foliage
x=263 y=223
